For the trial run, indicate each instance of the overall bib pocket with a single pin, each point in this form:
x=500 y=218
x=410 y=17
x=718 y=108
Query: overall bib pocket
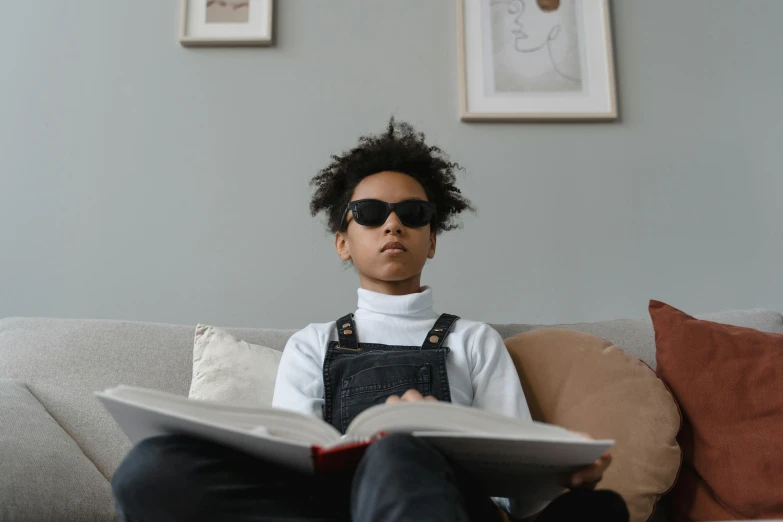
x=374 y=385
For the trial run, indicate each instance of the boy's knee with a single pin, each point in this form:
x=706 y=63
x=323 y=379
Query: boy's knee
x=399 y=446
x=572 y=504
x=148 y=474
x=613 y=505
x=138 y=469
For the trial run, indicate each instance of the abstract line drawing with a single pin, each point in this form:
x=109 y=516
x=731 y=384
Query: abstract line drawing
x=535 y=46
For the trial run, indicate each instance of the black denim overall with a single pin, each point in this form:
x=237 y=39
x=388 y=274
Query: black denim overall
x=360 y=375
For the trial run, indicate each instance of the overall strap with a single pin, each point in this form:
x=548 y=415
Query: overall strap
x=439 y=331
x=346 y=331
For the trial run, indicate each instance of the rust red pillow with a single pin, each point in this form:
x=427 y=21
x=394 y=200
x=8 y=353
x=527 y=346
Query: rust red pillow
x=728 y=381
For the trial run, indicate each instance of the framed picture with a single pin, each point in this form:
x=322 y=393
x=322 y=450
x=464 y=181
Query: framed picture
x=226 y=22
x=523 y=60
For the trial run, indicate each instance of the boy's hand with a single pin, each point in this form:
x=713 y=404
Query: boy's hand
x=409 y=396
x=589 y=476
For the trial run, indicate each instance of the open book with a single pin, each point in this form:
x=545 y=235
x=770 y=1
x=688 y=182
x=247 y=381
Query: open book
x=506 y=454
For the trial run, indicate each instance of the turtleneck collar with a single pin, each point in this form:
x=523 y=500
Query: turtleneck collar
x=419 y=304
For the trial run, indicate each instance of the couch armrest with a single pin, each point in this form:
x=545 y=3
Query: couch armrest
x=45 y=475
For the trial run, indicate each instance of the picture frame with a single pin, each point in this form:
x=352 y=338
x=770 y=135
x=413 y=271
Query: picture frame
x=226 y=23
x=535 y=60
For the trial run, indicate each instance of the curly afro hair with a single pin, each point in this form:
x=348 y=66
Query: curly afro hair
x=399 y=149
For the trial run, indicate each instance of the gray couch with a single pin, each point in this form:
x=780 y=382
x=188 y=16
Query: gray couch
x=59 y=447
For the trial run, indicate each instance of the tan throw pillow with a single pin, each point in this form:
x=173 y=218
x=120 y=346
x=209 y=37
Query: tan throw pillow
x=230 y=370
x=584 y=383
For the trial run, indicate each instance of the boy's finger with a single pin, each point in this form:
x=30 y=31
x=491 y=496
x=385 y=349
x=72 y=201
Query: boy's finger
x=391 y=399
x=590 y=474
x=412 y=395
x=603 y=463
x=586 y=476
x=586 y=483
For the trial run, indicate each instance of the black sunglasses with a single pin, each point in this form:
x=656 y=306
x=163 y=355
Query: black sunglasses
x=413 y=213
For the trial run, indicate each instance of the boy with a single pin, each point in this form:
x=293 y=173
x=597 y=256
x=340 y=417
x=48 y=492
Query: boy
x=386 y=202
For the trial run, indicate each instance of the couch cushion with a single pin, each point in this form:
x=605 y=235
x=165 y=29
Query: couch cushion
x=584 y=383
x=45 y=476
x=636 y=337
x=729 y=383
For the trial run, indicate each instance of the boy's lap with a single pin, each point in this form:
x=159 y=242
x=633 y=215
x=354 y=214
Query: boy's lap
x=168 y=468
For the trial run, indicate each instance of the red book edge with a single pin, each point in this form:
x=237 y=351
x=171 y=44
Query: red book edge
x=341 y=459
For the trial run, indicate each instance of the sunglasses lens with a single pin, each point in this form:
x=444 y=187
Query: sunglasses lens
x=414 y=213
x=370 y=213
x=373 y=213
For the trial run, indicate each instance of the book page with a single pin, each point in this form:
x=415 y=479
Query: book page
x=141 y=423
x=277 y=423
x=408 y=417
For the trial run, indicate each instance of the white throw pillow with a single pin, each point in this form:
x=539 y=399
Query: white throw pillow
x=228 y=369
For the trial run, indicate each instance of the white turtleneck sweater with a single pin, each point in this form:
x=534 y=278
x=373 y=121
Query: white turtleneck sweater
x=481 y=372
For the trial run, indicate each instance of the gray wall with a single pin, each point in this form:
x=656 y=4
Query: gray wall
x=140 y=180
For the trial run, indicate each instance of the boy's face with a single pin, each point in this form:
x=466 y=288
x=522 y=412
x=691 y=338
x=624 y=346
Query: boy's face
x=389 y=271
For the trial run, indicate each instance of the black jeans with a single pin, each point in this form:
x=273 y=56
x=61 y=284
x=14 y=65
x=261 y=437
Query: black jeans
x=400 y=478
